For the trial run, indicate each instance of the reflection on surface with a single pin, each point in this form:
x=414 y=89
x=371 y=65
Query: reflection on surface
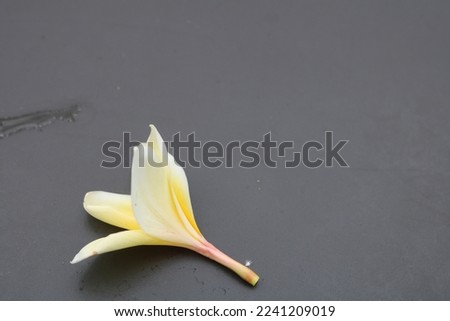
x=36 y=120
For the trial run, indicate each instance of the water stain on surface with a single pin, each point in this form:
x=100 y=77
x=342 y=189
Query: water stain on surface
x=36 y=120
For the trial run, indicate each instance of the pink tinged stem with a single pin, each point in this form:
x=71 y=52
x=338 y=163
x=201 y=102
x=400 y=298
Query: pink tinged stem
x=210 y=251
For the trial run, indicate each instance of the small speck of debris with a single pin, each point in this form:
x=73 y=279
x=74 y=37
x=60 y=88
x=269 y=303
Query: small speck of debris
x=258 y=181
x=118 y=88
x=248 y=262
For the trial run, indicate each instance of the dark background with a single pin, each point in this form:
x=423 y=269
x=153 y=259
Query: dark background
x=373 y=72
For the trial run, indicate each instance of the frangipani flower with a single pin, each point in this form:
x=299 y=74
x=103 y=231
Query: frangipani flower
x=158 y=211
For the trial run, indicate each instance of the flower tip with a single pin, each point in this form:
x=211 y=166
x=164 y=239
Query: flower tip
x=82 y=255
x=86 y=199
x=95 y=198
x=75 y=259
x=153 y=131
x=91 y=199
x=154 y=135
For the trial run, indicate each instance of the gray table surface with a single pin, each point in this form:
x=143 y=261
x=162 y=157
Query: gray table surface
x=374 y=72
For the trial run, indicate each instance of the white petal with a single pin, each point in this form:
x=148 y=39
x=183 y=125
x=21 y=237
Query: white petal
x=111 y=208
x=117 y=241
x=180 y=191
x=155 y=208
